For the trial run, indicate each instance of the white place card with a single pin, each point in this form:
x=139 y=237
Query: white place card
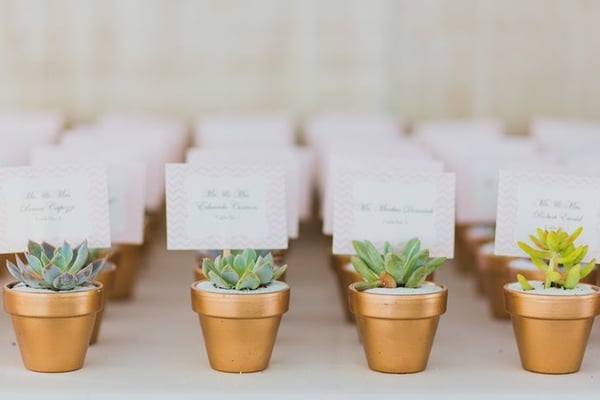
x=126 y=184
x=530 y=200
x=53 y=203
x=381 y=204
x=286 y=158
x=225 y=206
x=346 y=162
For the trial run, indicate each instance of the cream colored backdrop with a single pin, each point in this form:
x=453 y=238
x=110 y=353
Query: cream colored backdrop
x=419 y=58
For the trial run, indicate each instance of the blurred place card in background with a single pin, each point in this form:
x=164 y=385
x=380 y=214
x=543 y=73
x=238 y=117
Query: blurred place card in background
x=530 y=200
x=53 y=203
x=385 y=204
x=126 y=183
x=225 y=206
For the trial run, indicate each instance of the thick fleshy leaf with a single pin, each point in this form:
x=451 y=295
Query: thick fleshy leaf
x=387 y=280
x=48 y=250
x=264 y=274
x=239 y=264
x=278 y=272
x=67 y=252
x=31 y=280
x=361 y=267
x=360 y=286
x=585 y=271
x=59 y=261
x=394 y=266
x=81 y=258
x=387 y=248
x=35 y=249
x=525 y=285
x=207 y=265
x=412 y=247
x=65 y=281
x=97 y=267
x=249 y=255
x=416 y=279
x=84 y=275
x=369 y=253
x=50 y=272
x=573 y=277
x=218 y=264
x=35 y=263
x=230 y=275
x=248 y=281
x=14 y=271
x=434 y=264
x=217 y=280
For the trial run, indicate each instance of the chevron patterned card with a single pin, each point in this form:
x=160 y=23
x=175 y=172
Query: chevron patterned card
x=225 y=206
x=394 y=205
x=529 y=200
x=53 y=203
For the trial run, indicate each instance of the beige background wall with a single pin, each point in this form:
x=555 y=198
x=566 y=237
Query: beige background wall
x=420 y=58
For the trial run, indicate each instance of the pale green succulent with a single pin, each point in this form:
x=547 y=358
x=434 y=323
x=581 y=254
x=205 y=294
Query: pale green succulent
x=390 y=269
x=245 y=270
x=558 y=247
x=59 y=269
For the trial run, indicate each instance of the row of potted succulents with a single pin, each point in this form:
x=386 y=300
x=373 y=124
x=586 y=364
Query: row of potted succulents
x=241 y=303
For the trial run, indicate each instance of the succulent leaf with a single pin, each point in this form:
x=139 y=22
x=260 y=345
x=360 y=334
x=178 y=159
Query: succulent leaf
x=217 y=280
x=230 y=275
x=588 y=268
x=264 y=273
x=524 y=282
x=50 y=272
x=34 y=262
x=278 y=273
x=363 y=269
x=65 y=281
x=369 y=254
x=14 y=271
x=248 y=281
x=572 y=277
x=35 y=249
x=66 y=251
x=417 y=278
x=81 y=255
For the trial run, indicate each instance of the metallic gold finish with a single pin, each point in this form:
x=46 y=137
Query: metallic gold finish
x=239 y=329
x=128 y=257
x=493 y=270
x=107 y=279
x=53 y=329
x=397 y=330
x=552 y=331
x=460 y=248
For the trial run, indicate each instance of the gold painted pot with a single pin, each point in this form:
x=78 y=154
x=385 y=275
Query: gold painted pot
x=107 y=279
x=53 y=329
x=474 y=237
x=493 y=271
x=552 y=331
x=460 y=247
x=239 y=329
x=397 y=330
x=128 y=257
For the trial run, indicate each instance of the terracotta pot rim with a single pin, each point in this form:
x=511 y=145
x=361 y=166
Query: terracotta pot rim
x=552 y=307
x=391 y=306
x=428 y=283
x=52 y=304
x=240 y=305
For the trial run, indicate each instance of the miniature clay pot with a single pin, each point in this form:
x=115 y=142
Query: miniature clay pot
x=239 y=329
x=128 y=257
x=476 y=236
x=551 y=330
x=107 y=279
x=493 y=272
x=53 y=330
x=397 y=330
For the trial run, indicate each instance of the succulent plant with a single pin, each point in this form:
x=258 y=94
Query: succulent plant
x=59 y=269
x=558 y=247
x=390 y=269
x=245 y=270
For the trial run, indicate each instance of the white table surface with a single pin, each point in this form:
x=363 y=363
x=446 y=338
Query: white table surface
x=151 y=347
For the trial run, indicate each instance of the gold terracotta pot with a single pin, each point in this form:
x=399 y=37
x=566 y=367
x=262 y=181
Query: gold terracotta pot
x=397 y=330
x=107 y=279
x=460 y=248
x=476 y=236
x=552 y=331
x=347 y=277
x=53 y=329
x=239 y=329
x=128 y=257
x=493 y=271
